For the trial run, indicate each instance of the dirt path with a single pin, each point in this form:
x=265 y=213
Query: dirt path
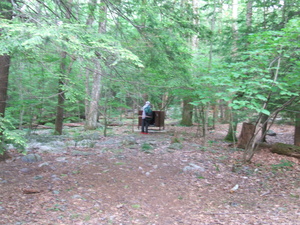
x=129 y=178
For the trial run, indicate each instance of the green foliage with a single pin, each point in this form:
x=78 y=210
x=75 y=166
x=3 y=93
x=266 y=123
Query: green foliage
x=147 y=48
x=283 y=165
x=10 y=136
x=147 y=148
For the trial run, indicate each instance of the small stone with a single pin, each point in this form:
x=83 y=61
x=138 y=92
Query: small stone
x=61 y=159
x=44 y=164
x=76 y=196
x=25 y=170
x=192 y=167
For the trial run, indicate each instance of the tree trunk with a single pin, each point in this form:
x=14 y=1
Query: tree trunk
x=231 y=134
x=92 y=105
x=4 y=72
x=60 y=109
x=264 y=128
x=247 y=133
x=249 y=15
x=205 y=109
x=234 y=26
x=297 y=130
x=215 y=116
x=93 y=93
x=61 y=97
x=5 y=13
x=187 y=113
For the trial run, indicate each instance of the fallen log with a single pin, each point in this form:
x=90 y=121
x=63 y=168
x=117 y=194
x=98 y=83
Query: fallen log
x=286 y=149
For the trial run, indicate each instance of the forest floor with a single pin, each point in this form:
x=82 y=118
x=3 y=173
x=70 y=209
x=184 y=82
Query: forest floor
x=168 y=177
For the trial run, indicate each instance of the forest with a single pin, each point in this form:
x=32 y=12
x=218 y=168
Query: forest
x=213 y=61
x=210 y=65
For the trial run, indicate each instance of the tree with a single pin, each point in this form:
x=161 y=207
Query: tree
x=61 y=81
x=5 y=13
x=297 y=129
x=187 y=112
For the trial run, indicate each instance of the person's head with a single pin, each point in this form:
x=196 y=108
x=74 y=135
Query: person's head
x=147 y=103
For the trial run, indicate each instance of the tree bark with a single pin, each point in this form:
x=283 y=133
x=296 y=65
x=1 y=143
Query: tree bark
x=187 y=113
x=61 y=95
x=249 y=15
x=60 y=108
x=5 y=13
x=93 y=92
x=247 y=133
x=4 y=72
x=297 y=130
x=205 y=109
x=264 y=128
x=93 y=103
x=231 y=134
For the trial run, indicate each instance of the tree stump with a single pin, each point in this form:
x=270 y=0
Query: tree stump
x=247 y=132
x=286 y=149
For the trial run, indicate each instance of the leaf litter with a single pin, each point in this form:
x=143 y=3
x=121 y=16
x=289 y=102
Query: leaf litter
x=129 y=178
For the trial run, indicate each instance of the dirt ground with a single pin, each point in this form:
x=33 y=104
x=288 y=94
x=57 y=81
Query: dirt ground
x=165 y=178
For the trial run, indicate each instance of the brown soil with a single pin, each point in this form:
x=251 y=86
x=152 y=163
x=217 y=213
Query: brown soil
x=141 y=180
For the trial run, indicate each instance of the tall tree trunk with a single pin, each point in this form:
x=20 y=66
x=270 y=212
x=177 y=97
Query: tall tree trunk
x=297 y=130
x=93 y=103
x=187 y=109
x=61 y=97
x=205 y=109
x=234 y=26
x=5 y=13
x=195 y=39
x=187 y=113
x=61 y=82
x=93 y=92
x=249 y=15
x=4 y=72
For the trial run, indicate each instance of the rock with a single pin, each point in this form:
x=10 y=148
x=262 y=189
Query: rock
x=271 y=133
x=31 y=158
x=61 y=159
x=77 y=197
x=25 y=170
x=193 y=167
x=44 y=164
